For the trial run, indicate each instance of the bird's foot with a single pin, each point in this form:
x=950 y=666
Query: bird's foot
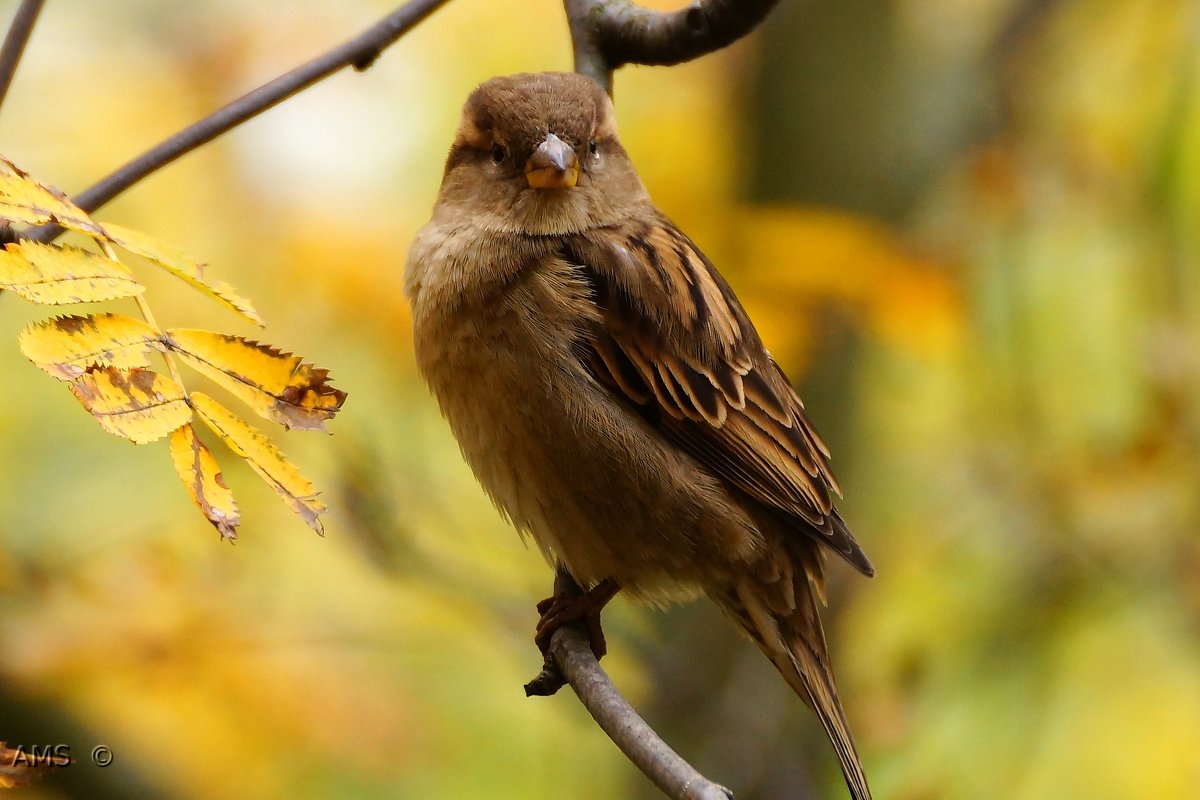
x=568 y=604
x=567 y=607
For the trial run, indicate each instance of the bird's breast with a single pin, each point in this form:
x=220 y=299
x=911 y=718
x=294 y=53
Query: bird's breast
x=565 y=461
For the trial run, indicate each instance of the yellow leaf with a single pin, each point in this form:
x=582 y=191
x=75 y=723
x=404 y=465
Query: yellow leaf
x=29 y=216
x=66 y=346
x=181 y=265
x=53 y=275
x=201 y=474
x=137 y=404
x=25 y=199
x=278 y=386
x=263 y=458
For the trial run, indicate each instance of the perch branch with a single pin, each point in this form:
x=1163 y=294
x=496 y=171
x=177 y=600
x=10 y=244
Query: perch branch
x=15 y=41
x=677 y=778
x=570 y=660
x=359 y=52
x=610 y=33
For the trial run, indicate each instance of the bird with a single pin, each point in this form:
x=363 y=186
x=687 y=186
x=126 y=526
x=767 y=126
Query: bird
x=610 y=393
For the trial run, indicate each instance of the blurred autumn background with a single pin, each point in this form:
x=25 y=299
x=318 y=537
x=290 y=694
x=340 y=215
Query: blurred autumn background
x=967 y=229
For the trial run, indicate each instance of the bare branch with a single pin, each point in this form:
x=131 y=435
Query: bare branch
x=359 y=52
x=15 y=41
x=609 y=33
x=638 y=741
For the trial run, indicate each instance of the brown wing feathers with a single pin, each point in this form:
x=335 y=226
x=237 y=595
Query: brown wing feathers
x=688 y=358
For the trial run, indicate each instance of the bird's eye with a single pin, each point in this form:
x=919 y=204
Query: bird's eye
x=498 y=152
x=592 y=148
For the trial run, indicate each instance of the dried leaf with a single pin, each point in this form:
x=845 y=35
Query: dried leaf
x=66 y=346
x=25 y=199
x=181 y=265
x=137 y=404
x=278 y=386
x=201 y=474
x=263 y=458
x=53 y=275
x=19 y=768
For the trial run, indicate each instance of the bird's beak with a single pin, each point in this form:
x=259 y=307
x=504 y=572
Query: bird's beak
x=553 y=165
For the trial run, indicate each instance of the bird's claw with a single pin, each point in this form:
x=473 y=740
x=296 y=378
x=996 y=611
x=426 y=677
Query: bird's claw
x=565 y=608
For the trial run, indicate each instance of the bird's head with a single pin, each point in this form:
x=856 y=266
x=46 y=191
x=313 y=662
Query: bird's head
x=538 y=154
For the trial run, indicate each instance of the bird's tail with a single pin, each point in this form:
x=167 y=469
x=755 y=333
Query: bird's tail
x=781 y=617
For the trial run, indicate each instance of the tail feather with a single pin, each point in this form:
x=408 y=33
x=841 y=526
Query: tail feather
x=789 y=632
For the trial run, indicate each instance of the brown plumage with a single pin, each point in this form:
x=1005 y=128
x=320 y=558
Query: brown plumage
x=609 y=391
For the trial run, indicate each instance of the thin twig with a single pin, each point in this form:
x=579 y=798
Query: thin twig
x=15 y=41
x=677 y=778
x=148 y=315
x=359 y=52
x=609 y=33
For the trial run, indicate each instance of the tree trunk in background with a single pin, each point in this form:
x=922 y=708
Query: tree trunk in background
x=820 y=115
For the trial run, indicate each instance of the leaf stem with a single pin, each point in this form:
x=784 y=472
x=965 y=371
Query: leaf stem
x=147 y=315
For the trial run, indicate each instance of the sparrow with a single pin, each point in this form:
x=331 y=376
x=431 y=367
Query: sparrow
x=609 y=391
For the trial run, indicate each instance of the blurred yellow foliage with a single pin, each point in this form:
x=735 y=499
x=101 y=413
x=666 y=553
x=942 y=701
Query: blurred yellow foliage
x=799 y=262
x=1011 y=398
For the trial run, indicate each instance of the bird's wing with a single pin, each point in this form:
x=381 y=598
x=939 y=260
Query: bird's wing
x=674 y=342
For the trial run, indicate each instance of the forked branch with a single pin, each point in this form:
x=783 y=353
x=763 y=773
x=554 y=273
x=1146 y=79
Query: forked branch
x=610 y=33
